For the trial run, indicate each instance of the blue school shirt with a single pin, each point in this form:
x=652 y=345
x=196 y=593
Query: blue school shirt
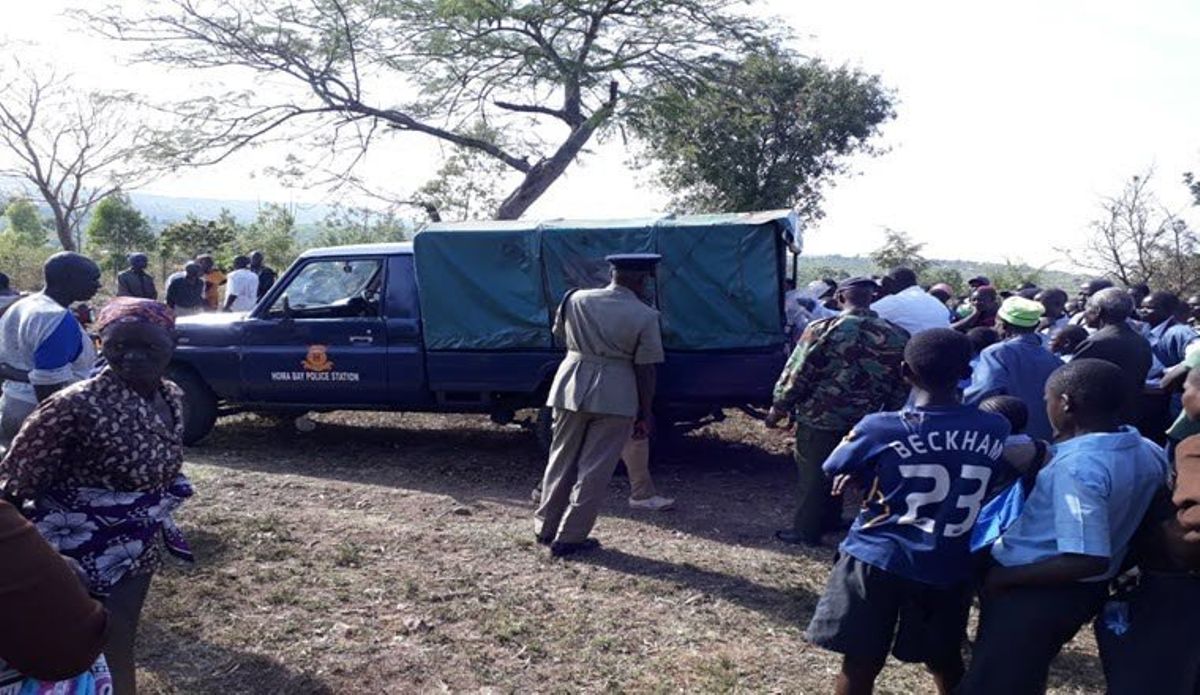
x=1017 y=367
x=927 y=471
x=1169 y=341
x=1089 y=500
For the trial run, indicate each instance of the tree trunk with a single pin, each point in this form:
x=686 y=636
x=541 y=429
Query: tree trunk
x=63 y=228
x=547 y=171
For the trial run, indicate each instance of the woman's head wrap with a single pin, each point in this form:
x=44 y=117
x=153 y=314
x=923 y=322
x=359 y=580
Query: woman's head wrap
x=135 y=310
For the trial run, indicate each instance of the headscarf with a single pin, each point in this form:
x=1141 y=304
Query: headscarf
x=135 y=310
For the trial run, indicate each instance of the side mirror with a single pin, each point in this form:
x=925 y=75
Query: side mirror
x=287 y=308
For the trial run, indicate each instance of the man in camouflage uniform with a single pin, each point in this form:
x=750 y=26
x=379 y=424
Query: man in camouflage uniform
x=842 y=369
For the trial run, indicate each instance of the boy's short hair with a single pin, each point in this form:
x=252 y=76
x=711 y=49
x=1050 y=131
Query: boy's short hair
x=939 y=357
x=982 y=337
x=1069 y=339
x=1010 y=408
x=1095 y=387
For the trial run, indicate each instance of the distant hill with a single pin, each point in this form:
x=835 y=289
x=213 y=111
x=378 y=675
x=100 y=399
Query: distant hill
x=814 y=267
x=164 y=210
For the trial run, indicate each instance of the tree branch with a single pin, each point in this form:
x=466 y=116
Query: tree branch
x=532 y=108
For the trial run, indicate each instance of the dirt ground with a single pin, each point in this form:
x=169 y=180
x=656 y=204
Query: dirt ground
x=394 y=553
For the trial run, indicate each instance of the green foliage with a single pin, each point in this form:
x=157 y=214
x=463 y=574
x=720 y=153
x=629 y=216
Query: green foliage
x=22 y=262
x=807 y=274
x=185 y=240
x=950 y=276
x=25 y=224
x=118 y=229
x=1193 y=183
x=347 y=225
x=465 y=188
x=899 y=250
x=765 y=133
x=273 y=232
x=1011 y=276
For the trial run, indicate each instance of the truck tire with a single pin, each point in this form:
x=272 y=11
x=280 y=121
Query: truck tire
x=199 y=405
x=544 y=429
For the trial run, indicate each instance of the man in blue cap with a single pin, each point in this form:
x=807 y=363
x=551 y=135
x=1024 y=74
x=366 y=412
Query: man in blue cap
x=136 y=282
x=602 y=394
x=842 y=369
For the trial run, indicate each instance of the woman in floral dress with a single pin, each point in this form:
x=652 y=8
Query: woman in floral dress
x=99 y=466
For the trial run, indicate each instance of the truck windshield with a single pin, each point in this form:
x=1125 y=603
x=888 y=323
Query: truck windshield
x=333 y=288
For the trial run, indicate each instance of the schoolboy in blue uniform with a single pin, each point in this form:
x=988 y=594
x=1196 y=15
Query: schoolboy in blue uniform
x=901 y=581
x=1054 y=564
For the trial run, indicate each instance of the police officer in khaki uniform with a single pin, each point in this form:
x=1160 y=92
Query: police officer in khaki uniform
x=602 y=395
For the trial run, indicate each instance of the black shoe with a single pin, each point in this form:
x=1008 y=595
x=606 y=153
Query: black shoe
x=542 y=540
x=792 y=538
x=560 y=549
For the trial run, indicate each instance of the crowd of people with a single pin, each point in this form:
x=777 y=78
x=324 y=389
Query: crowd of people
x=198 y=286
x=1007 y=447
x=1003 y=447
x=1000 y=448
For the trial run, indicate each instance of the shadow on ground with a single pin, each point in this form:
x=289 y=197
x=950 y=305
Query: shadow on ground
x=181 y=656
x=727 y=491
x=1076 y=671
x=790 y=607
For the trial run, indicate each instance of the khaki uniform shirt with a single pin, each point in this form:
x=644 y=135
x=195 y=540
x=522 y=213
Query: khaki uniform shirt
x=606 y=332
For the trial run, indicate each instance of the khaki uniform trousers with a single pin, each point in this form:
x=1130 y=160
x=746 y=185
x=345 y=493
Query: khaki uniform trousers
x=636 y=457
x=583 y=455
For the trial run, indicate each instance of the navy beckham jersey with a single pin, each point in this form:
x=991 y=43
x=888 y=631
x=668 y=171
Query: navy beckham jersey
x=927 y=471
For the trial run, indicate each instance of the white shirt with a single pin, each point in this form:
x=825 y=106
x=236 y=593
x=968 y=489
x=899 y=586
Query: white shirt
x=792 y=309
x=40 y=336
x=243 y=284
x=914 y=310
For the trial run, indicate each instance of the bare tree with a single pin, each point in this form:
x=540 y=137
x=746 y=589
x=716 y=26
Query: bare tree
x=527 y=84
x=1137 y=240
x=1179 y=267
x=72 y=149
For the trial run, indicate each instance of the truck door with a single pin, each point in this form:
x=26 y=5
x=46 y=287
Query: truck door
x=322 y=340
x=406 y=354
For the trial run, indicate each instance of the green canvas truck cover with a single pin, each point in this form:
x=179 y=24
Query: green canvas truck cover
x=496 y=285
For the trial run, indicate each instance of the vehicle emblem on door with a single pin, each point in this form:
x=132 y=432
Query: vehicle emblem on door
x=317 y=359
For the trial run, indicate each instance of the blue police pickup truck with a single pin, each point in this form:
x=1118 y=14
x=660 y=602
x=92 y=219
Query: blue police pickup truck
x=459 y=321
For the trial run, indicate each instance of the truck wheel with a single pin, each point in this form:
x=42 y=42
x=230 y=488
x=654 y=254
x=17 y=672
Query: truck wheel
x=544 y=429
x=199 y=405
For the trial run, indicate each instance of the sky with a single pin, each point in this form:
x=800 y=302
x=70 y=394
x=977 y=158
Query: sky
x=1013 y=119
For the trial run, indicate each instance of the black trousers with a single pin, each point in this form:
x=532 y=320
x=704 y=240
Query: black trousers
x=1021 y=630
x=1160 y=652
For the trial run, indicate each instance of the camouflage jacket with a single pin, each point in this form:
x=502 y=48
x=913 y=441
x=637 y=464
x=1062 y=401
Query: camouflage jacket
x=842 y=369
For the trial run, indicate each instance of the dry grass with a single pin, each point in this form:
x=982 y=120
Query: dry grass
x=388 y=553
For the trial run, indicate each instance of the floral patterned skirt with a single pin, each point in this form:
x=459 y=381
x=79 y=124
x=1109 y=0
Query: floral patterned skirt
x=112 y=534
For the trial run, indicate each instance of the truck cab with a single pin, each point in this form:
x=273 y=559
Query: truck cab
x=339 y=330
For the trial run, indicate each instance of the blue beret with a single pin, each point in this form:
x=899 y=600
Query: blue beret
x=644 y=262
